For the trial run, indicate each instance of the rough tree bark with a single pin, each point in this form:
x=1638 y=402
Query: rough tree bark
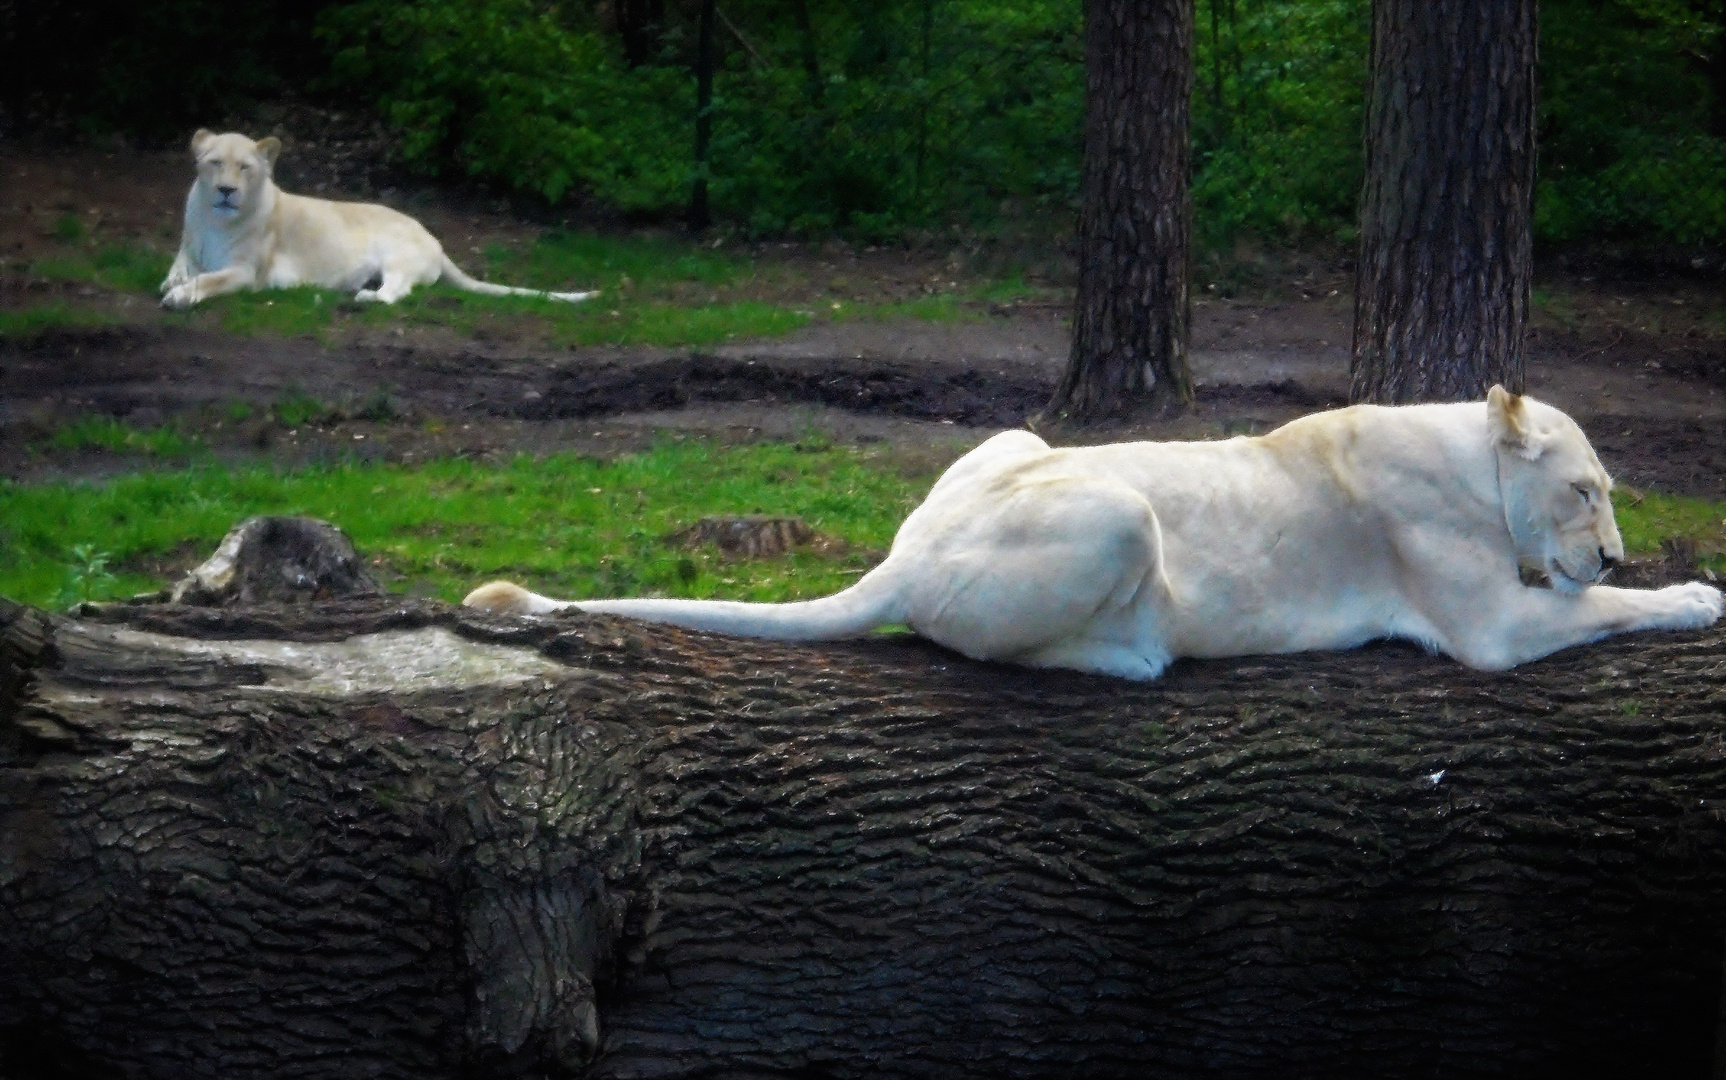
x=1131 y=316
x=1442 y=290
x=390 y=838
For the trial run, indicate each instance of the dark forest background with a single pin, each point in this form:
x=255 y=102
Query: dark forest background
x=875 y=119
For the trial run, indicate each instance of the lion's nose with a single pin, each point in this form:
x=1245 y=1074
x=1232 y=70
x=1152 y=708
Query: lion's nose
x=226 y=191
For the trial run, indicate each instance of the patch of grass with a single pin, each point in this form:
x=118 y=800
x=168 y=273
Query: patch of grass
x=125 y=267
x=565 y=525
x=645 y=266
x=27 y=322
x=653 y=291
x=117 y=437
x=70 y=228
x=600 y=321
x=1647 y=519
x=296 y=408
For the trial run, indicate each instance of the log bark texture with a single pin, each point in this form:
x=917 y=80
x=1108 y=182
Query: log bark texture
x=1131 y=323
x=1445 y=269
x=389 y=838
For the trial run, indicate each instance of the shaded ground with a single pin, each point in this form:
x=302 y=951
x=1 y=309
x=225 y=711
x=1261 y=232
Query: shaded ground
x=1641 y=364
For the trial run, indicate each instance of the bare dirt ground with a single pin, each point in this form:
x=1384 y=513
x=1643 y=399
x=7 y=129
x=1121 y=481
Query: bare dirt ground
x=1640 y=362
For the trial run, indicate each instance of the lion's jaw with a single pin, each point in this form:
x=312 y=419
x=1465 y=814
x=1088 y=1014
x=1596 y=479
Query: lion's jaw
x=1557 y=502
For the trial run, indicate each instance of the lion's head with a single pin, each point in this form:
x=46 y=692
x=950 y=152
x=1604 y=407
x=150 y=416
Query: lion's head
x=232 y=169
x=1557 y=500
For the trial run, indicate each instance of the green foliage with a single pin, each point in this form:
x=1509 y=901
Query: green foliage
x=1626 y=151
x=565 y=524
x=895 y=118
x=87 y=577
x=1278 y=105
x=508 y=89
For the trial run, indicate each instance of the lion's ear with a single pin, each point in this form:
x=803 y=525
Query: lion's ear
x=200 y=139
x=270 y=149
x=1508 y=419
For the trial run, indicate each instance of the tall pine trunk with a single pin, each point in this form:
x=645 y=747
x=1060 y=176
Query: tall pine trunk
x=1441 y=301
x=1130 y=324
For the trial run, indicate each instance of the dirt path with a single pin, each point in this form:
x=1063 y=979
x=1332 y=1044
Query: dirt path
x=1656 y=413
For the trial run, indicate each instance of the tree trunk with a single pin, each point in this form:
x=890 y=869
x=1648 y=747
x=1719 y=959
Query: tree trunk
x=809 y=52
x=391 y=838
x=1130 y=322
x=638 y=24
x=699 y=217
x=1442 y=294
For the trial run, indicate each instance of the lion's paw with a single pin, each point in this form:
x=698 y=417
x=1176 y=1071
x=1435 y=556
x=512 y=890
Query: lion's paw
x=1693 y=605
x=180 y=297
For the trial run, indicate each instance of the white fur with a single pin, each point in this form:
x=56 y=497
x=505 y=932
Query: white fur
x=243 y=232
x=1336 y=529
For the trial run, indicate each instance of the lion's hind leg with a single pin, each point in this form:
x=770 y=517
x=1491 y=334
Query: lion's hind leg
x=393 y=287
x=1062 y=572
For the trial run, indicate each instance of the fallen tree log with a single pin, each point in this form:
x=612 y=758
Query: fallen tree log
x=391 y=838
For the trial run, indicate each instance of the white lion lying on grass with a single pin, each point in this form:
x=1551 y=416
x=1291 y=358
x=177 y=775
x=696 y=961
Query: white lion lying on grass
x=1336 y=529
x=243 y=232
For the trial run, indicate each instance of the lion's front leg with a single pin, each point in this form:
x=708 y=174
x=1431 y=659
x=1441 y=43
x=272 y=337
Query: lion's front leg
x=204 y=286
x=178 y=274
x=1536 y=622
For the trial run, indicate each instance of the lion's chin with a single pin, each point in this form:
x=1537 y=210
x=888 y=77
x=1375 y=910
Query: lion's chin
x=1563 y=581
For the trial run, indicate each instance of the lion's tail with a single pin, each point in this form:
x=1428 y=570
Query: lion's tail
x=874 y=601
x=455 y=276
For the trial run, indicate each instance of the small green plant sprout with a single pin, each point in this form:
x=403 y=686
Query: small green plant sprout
x=87 y=577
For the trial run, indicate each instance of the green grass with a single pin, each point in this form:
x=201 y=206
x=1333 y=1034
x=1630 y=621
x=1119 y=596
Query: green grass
x=131 y=268
x=30 y=321
x=646 y=265
x=114 y=436
x=1647 y=518
x=653 y=291
x=564 y=525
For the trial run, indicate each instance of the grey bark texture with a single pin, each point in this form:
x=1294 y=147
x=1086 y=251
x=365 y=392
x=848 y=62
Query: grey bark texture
x=1445 y=268
x=1131 y=323
x=379 y=837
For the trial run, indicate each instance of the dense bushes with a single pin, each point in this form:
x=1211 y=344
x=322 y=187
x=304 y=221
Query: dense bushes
x=506 y=89
x=898 y=114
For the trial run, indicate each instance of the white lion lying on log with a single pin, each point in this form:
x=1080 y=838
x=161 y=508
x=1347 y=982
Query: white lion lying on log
x=243 y=232
x=1336 y=529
